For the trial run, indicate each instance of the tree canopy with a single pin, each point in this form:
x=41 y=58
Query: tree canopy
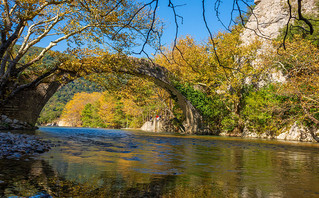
x=117 y=25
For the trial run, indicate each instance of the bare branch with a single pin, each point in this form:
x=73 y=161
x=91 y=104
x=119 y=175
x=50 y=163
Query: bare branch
x=152 y=26
x=176 y=16
x=133 y=17
x=25 y=45
x=287 y=25
x=216 y=8
x=304 y=19
x=210 y=33
x=52 y=44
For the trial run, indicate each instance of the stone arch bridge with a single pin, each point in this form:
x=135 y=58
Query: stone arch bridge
x=25 y=107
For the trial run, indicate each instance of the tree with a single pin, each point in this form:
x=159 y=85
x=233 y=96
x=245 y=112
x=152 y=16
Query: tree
x=54 y=107
x=90 y=116
x=106 y=111
x=73 y=109
x=24 y=23
x=228 y=75
x=300 y=62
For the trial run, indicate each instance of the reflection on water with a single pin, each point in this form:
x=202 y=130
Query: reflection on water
x=117 y=163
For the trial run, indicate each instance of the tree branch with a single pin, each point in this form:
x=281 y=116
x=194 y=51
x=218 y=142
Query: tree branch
x=34 y=83
x=25 y=45
x=52 y=44
x=304 y=19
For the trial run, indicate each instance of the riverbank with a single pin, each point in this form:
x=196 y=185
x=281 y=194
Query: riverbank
x=7 y=123
x=295 y=132
x=15 y=146
x=109 y=163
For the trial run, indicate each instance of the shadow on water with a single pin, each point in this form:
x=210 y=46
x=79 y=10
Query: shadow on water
x=35 y=177
x=24 y=178
x=27 y=132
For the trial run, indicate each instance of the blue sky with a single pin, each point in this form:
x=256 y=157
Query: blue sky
x=193 y=24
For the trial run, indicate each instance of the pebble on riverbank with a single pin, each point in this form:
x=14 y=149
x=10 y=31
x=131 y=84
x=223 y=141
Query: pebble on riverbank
x=15 y=146
x=13 y=124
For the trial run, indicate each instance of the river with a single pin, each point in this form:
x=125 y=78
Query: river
x=124 y=163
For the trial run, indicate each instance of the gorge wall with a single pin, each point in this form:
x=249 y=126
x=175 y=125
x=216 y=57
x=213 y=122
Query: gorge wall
x=270 y=16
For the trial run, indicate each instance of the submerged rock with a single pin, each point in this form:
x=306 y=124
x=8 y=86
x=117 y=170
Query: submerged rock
x=15 y=146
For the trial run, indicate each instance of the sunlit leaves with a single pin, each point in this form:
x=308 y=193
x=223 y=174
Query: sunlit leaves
x=114 y=26
x=301 y=65
x=129 y=105
x=227 y=75
x=74 y=108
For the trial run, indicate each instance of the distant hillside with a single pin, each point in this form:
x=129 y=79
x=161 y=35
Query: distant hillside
x=55 y=105
x=53 y=109
x=33 y=52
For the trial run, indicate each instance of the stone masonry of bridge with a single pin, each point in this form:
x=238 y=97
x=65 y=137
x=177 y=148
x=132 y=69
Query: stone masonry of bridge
x=23 y=110
x=268 y=17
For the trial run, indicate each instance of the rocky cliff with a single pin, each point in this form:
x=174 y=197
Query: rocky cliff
x=267 y=19
x=269 y=16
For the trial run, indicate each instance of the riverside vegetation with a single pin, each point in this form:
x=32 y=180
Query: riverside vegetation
x=229 y=81
x=234 y=92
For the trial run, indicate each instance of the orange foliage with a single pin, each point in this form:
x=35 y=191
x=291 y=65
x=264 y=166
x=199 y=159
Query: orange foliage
x=73 y=109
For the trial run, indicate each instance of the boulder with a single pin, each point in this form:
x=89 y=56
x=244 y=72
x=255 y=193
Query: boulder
x=7 y=124
x=297 y=132
x=8 y=120
x=153 y=126
x=15 y=121
x=148 y=126
x=249 y=134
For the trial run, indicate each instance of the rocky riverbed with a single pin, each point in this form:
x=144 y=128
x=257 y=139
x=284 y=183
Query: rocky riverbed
x=15 y=146
x=7 y=123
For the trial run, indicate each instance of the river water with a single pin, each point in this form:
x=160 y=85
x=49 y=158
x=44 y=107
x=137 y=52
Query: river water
x=120 y=163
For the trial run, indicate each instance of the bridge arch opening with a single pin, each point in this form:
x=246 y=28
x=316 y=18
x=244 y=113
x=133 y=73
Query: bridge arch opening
x=26 y=106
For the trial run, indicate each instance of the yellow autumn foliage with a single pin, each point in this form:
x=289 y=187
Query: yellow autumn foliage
x=72 y=111
x=129 y=105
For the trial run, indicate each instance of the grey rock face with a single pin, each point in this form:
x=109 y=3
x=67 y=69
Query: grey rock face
x=249 y=134
x=269 y=16
x=153 y=126
x=265 y=23
x=296 y=133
